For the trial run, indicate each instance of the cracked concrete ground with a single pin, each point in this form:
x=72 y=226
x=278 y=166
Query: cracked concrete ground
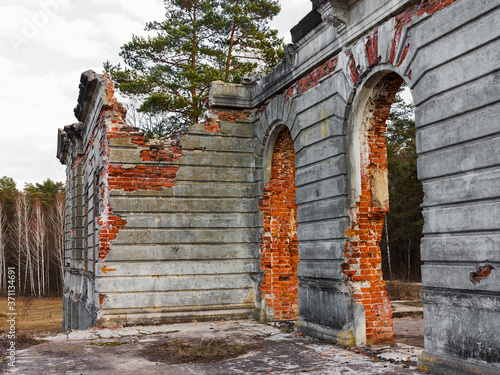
x=89 y=352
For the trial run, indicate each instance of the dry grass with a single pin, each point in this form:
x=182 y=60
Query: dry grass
x=398 y=290
x=195 y=351
x=35 y=315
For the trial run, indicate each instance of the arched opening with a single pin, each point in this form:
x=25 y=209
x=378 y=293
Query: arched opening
x=370 y=204
x=279 y=246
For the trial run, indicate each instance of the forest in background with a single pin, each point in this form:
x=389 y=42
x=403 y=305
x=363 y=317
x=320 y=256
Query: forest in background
x=400 y=244
x=32 y=236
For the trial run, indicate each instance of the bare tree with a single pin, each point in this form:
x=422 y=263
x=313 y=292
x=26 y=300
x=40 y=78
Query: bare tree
x=22 y=242
x=38 y=237
x=387 y=247
x=57 y=229
x=18 y=230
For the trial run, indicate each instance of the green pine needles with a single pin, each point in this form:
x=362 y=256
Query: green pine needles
x=168 y=73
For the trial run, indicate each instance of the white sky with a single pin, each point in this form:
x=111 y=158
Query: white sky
x=44 y=47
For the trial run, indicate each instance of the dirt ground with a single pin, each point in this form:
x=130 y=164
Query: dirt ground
x=127 y=351
x=409 y=331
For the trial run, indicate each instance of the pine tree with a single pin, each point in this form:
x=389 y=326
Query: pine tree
x=199 y=41
x=249 y=43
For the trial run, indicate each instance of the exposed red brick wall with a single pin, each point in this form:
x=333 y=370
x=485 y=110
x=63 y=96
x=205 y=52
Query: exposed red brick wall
x=313 y=78
x=353 y=69
x=216 y=115
x=150 y=176
x=110 y=226
x=425 y=6
x=363 y=257
x=372 y=49
x=279 y=245
x=231 y=115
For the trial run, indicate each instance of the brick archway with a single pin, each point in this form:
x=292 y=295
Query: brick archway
x=279 y=245
x=369 y=204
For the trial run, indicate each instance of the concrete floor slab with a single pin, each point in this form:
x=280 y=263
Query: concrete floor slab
x=276 y=352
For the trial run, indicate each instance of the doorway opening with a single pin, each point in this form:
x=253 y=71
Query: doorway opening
x=371 y=199
x=279 y=254
x=403 y=223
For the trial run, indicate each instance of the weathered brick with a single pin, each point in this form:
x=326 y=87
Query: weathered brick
x=279 y=250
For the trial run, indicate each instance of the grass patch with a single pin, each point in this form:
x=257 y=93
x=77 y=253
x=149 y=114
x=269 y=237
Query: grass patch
x=35 y=315
x=398 y=290
x=23 y=340
x=195 y=351
x=285 y=326
x=108 y=344
x=413 y=303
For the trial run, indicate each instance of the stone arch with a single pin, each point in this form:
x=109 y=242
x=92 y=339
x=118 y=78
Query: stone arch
x=279 y=246
x=369 y=200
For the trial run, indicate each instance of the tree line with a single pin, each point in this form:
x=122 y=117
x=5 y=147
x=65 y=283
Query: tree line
x=32 y=236
x=403 y=223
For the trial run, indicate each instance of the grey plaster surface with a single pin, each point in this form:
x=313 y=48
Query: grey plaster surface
x=79 y=352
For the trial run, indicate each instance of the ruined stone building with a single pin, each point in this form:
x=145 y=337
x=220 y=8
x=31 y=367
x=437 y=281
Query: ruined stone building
x=273 y=208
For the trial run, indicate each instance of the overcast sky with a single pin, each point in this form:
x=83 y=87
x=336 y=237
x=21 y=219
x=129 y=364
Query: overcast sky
x=45 y=46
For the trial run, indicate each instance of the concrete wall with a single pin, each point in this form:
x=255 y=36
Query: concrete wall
x=447 y=53
x=179 y=224
x=174 y=237
x=187 y=249
x=80 y=148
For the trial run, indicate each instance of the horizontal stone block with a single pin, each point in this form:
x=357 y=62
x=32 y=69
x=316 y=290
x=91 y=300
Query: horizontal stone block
x=461 y=37
x=237 y=128
x=463 y=158
x=462 y=188
x=324 y=269
x=168 y=252
x=185 y=235
x=194 y=189
x=323 y=209
x=319 y=112
x=331 y=127
x=177 y=299
x=190 y=220
x=223 y=174
x=230 y=95
x=332 y=167
x=215 y=143
x=334 y=249
x=459 y=130
x=322 y=230
x=129 y=155
x=460 y=70
x=329 y=188
x=454 y=276
x=322 y=150
x=465 y=218
x=480 y=247
x=328 y=308
x=175 y=268
x=143 y=204
x=173 y=283
x=468 y=97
